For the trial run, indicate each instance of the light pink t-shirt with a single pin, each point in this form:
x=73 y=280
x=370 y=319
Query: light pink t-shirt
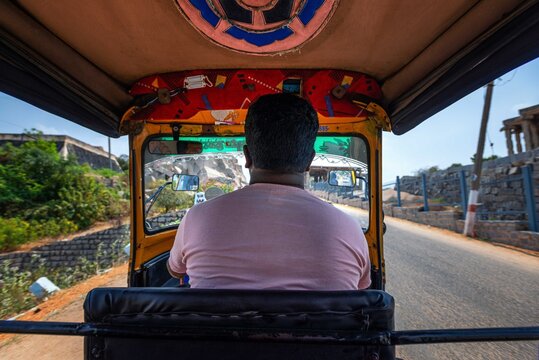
x=268 y=236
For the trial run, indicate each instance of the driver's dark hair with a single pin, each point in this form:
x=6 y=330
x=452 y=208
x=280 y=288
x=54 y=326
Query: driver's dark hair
x=280 y=131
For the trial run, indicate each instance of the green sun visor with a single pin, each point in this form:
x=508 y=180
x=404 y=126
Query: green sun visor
x=335 y=145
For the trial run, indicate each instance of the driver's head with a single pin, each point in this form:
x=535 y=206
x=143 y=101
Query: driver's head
x=280 y=131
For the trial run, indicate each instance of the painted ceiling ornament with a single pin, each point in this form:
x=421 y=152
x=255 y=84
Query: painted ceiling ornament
x=258 y=26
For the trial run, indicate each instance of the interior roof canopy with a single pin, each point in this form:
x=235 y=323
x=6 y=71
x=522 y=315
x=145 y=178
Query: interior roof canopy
x=77 y=60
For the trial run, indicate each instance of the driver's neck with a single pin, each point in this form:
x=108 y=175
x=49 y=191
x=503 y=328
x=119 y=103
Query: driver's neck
x=274 y=177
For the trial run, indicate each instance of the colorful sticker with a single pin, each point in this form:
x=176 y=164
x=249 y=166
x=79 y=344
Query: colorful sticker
x=323 y=128
x=225 y=117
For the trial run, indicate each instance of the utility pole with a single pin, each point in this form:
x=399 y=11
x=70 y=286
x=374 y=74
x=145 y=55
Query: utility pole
x=476 y=176
x=110 y=158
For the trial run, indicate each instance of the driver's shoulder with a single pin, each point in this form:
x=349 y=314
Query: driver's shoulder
x=217 y=202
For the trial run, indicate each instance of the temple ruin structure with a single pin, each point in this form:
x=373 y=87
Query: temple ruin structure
x=524 y=127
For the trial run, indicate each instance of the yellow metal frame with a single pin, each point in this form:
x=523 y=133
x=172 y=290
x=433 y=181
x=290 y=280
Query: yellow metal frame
x=147 y=246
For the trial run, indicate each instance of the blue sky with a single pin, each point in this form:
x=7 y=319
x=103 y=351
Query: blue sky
x=446 y=138
x=451 y=135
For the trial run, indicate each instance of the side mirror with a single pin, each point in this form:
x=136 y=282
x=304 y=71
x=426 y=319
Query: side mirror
x=171 y=147
x=342 y=178
x=363 y=184
x=185 y=182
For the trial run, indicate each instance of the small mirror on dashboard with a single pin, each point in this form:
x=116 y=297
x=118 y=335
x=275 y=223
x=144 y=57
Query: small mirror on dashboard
x=185 y=182
x=171 y=147
x=343 y=178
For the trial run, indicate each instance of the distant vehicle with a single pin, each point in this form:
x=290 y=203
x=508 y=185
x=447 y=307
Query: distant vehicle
x=200 y=197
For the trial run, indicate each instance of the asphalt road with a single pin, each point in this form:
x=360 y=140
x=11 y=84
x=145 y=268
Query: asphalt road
x=444 y=280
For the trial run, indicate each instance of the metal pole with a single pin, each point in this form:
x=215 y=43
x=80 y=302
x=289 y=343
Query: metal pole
x=460 y=335
x=527 y=179
x=398 y=182
x=425 y=195
x=463 y=190
x=403 y=337
x=476 y=176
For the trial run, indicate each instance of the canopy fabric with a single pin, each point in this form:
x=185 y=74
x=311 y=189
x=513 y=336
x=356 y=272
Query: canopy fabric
x=78 y=59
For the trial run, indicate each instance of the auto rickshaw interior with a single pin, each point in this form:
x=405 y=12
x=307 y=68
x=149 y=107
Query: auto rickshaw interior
x=177 y=77
x=203 y=142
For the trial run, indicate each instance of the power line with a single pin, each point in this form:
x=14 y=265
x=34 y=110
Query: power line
x=10 y=123
x=491 y=144
x=508 y=81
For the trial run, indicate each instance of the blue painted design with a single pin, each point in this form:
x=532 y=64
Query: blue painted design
x=260 y=39
x=309 y=9
x=206 y=102
x=329 y=106
x=206 y=12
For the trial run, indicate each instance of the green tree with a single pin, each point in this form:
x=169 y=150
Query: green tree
x=492 y=157
x=427 y=170
x=170 y=200
x=454 y=165
x=123 y=161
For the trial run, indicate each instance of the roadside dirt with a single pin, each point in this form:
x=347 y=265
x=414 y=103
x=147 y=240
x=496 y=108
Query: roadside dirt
x=65 y=305
x=388 y=194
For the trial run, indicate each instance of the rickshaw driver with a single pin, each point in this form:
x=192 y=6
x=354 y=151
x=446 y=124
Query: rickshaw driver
x=273 y=234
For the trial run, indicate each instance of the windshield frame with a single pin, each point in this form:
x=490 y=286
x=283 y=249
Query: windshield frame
x=320 y=134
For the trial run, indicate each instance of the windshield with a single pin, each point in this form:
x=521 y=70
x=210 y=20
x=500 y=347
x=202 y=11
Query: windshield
x=220 y=169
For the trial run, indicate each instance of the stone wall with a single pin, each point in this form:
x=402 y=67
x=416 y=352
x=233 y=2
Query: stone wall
x=510 y=232
x=94 y=156
x=166 y=220
x=103 y=247
x=507 y=232
x=501 y=185
x=95 y=161
x=442 y=219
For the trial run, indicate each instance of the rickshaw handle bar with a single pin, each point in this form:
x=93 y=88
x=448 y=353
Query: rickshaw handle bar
x=346 y=337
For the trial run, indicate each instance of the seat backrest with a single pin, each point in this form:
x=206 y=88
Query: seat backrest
x=238 y=324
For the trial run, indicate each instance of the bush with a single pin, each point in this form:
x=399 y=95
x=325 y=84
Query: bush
x=106 y=173
x=42 y=194
x=14 y=283
x=14 y=294
x=173 y=200
x=52 y=227
x=14 y=232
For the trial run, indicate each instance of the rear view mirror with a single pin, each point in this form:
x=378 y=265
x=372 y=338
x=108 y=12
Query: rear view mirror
x=171 y=147
x=342 y=178
x=185 y=182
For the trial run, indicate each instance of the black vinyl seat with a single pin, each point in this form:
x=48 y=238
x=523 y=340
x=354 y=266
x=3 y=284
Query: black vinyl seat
x=238 y=324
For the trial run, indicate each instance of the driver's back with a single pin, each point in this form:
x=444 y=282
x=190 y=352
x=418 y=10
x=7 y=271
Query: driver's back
x=269 y=236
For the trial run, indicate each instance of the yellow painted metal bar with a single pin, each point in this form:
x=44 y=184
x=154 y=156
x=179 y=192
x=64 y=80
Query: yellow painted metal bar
x=149 y=246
